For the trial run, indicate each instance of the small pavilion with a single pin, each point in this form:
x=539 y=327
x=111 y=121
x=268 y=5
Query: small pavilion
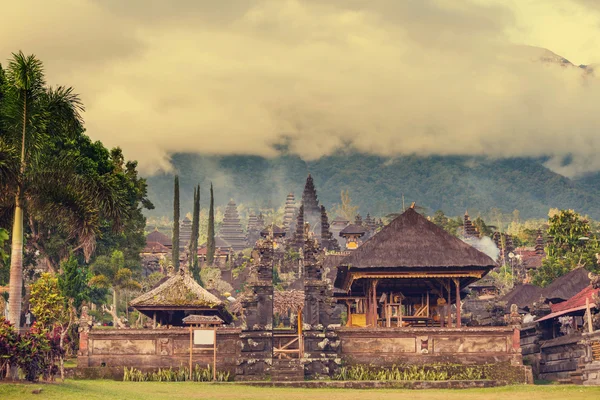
x=408 y=274
x=179 y=296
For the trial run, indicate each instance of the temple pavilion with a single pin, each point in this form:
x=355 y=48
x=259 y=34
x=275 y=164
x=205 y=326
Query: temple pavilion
x=408 y=274
x=175 y=298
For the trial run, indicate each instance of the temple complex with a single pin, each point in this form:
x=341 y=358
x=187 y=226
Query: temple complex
x=231 y=228
x=328 y=242
x=353 y=234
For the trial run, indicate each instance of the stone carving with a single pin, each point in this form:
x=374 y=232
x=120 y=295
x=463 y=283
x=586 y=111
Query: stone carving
x=514 y=318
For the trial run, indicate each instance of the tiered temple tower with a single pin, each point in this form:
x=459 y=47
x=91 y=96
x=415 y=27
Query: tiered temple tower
x=468 y=228
x=312 y=212
x=290 y=211
x=185 y=233
x=539 y=244
x=298 y=242
x=231 y=229
x=358 y=220
x=328 y=242
x=253 y=229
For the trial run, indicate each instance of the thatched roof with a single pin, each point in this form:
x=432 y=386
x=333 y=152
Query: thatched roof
x=567 y=286
x=287 y=300
x=522 y=295
x=180 y=290
x=411 y=240
x=353 y=229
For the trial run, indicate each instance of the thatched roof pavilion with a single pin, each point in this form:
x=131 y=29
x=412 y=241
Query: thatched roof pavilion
x=410 y=259
x=177 y=297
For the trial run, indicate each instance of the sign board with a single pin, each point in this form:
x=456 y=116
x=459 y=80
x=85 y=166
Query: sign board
x=202 y=336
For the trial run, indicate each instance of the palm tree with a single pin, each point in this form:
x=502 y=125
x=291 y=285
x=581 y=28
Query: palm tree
x=110 y=273
x=35 y=181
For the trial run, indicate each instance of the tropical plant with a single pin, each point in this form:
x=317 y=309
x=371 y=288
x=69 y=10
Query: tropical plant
x=8 y=345
x=111 y=273
x=171 y=374
x=47 y=302
x=73 y=281
x=40 y=181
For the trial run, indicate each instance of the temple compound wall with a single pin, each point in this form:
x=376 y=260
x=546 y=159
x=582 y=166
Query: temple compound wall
x=154 y=348
x=248 y=355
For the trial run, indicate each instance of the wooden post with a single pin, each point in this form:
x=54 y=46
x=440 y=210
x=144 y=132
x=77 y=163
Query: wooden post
x=349 y=308
x=154 y=320
x=374 y=305
x=400 y=312
x=215 y=354
x=589 y=315
x=449 y=304
x=191 y=346
x=300 y=334
x=457 y=283
x=428 y=304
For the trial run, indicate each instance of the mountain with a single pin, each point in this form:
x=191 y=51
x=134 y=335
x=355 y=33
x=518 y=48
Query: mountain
x=376 y=184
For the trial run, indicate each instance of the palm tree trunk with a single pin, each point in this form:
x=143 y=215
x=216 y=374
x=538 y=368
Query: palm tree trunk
x=16 y=267
x=115 y=308
x=16 y=253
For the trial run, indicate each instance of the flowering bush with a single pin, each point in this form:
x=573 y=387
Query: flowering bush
x=33 y=354
x=8 y=345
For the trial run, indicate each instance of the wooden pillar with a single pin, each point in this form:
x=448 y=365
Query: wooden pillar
x=374 y=302
x=427 y=304
x=457 y=283
x=214 y=354
x=349 y=307
x=191 y=348
x=449 y=304
x=154 y=320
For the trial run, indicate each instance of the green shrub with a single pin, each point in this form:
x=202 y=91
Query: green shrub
x=180 y=374
x=433 y=372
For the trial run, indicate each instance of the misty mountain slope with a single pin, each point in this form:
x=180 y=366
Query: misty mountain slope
x=376 y=184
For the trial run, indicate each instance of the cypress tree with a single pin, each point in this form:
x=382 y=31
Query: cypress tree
x=210 y=240
x=175 y=241
x=195 y=236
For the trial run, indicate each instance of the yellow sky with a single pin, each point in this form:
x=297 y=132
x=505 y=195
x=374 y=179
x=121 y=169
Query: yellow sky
x=385 y=76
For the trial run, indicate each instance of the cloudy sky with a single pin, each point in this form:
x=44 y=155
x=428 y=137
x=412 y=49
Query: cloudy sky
x=385 y=76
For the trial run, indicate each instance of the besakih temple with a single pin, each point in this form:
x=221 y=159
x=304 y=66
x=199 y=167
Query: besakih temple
x=255 y=225
x=223 y=252
x=231 y=228
x=157 y=237
x=398 y=292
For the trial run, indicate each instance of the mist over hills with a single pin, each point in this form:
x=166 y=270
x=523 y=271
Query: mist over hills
x=376 y=184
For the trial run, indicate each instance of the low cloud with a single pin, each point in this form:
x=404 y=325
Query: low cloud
x=385 y=77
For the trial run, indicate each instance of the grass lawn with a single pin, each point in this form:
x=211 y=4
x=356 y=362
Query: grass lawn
x=91 y=390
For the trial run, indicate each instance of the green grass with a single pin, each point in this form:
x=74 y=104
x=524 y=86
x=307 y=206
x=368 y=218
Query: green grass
x=91 y=390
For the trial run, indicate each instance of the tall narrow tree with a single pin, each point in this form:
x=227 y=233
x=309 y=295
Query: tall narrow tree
x=175 y=241
x=210 y=239
x=195 y=236
x=26 y=79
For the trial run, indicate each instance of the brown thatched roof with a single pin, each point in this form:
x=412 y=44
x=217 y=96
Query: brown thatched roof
x=353 y=229
x=411 y=240
x=522 y=295
x=567 y=286
x=180 y=290
x=202 y=319
x=287 y=300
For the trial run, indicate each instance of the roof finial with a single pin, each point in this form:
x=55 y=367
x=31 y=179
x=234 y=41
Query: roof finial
x=412 y=205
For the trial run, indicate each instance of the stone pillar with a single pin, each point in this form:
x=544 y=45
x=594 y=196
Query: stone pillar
x=85 y=324
x=256 y=356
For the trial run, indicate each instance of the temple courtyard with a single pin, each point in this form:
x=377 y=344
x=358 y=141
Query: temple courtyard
x=102 y=389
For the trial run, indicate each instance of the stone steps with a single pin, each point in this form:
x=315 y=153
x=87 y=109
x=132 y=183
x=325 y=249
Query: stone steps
x=287 y=370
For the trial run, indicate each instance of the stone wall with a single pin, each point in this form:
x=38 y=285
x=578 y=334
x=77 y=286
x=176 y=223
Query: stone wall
x=154 y=348
x=385 y=346
x=248 y=354
x=560 y=358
